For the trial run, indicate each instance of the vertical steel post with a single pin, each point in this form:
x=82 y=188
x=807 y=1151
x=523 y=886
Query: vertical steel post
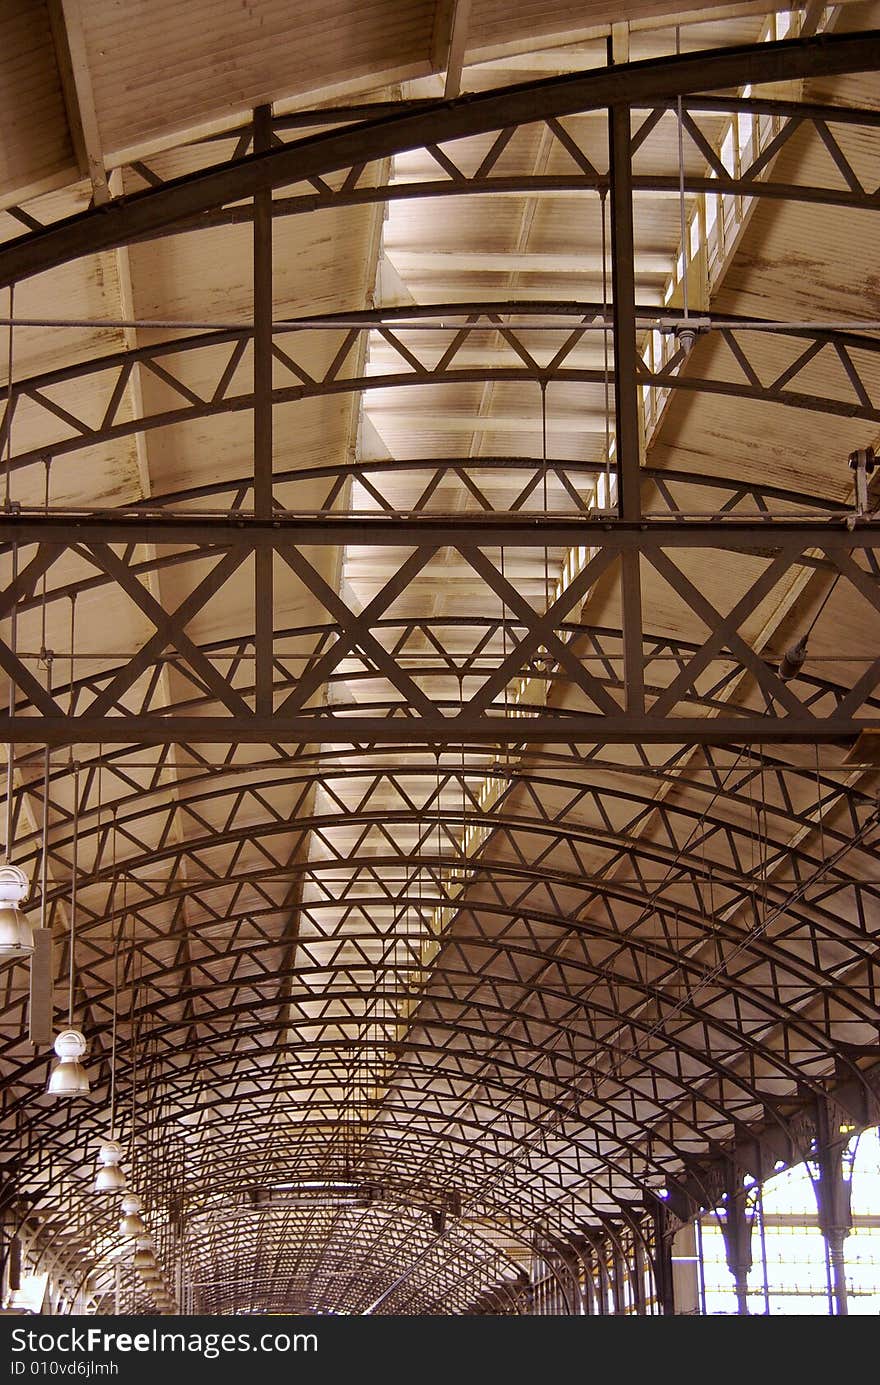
x=663 y=1274
x=618 y=1270
x=833 y=1200
x=763 y=1230
x=736 y=1227
x=736 y=1218
x=637 y=1275
x=701 y=1264
x=626 y=393
x=603 y=1277
x=263 y=558
x=623 y=290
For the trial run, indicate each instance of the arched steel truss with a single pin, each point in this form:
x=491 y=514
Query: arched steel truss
x=522 y=989
x=649 y=85
x=222 y=359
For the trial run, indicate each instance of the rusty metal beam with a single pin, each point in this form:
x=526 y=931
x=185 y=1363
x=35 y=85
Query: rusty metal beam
x=841 y=533
x=263 y=415
x=627 y=430
x=600 y=729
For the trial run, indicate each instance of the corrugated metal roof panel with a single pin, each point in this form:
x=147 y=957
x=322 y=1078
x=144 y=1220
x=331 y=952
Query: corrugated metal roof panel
x=495 y=22
x=214 y=56
x=35 y=145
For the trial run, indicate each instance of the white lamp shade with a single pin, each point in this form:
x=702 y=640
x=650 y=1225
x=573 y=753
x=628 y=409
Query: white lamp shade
x=110 y=1179
x=110 y=1152
x=144 y=1259
x=131 y=1225
x=131 y=1203
x=69 y=1078
x=16 y=938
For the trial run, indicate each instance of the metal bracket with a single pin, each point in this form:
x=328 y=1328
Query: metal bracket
x=862 y=462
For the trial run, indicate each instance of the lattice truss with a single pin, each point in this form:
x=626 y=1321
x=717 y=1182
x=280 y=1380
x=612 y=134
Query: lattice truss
x=471 y=873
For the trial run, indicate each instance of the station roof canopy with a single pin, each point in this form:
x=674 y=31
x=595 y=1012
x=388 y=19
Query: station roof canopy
x=440 y=628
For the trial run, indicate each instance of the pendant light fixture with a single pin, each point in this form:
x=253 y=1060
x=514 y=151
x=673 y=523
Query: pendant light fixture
x=69 y=1077
x=132 y=1223
x=16 y=938
x=145 y=1256
x=110 y=1178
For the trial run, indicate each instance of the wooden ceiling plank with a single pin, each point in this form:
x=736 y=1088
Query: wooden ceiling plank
x=79 y=98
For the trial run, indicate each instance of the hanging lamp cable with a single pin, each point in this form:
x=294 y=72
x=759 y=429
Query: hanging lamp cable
x=74 y=863
x=45 y=653
x=606 y=366
x=682 y=216
x=822 y=605
x=134 y=1035
x=544 y=480
x=793 y=659
x=13 y=618
x=72 y=648
x=113 y=1040
x=45 y=857
x=439 y=831
x=681 y=203
x=115 y=1023
x=10 y=747
x=10 y=399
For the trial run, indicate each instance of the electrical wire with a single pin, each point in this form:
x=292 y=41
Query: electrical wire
x=10 y=747
x=10 y=397
x=45 y=856
x=681 y=204
x=74 y=863
x=606 y=328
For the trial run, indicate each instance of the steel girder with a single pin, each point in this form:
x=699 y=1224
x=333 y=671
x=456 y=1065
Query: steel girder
x=665 y=494
x=222 y=363
x=404 y=706
x=363 y=183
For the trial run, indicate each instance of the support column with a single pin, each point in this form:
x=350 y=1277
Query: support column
x=618 y=1269
x=685 y=1271
x=263 y=438
x=832 y=1186
x=626 y=393
x=583 y=1252
x=736 y=1227
x=575 y=1296
x=602 y=1280
x=623 y=288
x=663 y=1268
x=637 y=1275
x=589 y=1294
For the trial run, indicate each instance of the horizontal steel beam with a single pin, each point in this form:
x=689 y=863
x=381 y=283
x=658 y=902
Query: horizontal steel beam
x=840 y=533
x=725 y=497
x=152 y=210
x=604 y=729
x=551 y=653
x=736 y=371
